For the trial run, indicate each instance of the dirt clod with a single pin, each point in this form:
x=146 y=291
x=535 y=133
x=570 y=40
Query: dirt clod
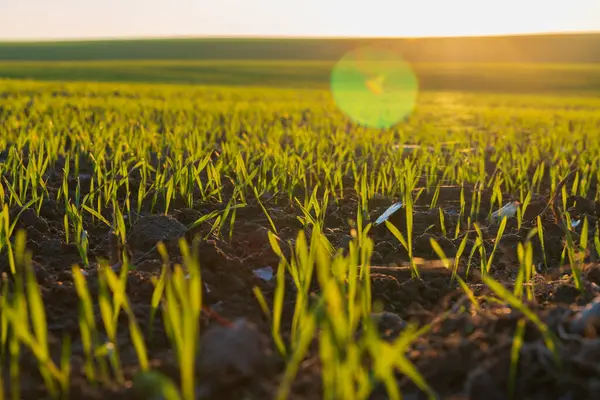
x=149 y=230
x=230 y=354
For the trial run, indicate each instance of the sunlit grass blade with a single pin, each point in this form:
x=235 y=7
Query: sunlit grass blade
x=505 y=295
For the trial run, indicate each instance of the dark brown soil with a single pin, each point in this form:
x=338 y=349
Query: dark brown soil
x=465 y=355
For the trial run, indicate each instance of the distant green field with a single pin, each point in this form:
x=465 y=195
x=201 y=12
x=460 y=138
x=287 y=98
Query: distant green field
x=526 y=78
x=519 y=64
x=574 y=48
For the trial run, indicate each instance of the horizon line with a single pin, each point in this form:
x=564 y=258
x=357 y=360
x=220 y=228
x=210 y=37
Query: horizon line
x=289 y=37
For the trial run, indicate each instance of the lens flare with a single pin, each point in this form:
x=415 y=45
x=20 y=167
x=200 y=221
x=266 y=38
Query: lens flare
x=374 y=87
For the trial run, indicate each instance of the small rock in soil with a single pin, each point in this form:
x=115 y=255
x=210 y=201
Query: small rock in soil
x=587 y=321
x=389 y=325
x=230 y=354
x=149 y=230
x=266 y=273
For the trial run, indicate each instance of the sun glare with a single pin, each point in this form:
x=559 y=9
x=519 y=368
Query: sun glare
x=374 y=86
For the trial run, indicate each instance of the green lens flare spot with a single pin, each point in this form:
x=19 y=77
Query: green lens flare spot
x=374 y=87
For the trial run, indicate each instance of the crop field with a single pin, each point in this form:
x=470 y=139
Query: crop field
x=180 y=234
x=485 y=77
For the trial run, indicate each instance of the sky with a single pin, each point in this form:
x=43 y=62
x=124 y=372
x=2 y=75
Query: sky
x=78 y=19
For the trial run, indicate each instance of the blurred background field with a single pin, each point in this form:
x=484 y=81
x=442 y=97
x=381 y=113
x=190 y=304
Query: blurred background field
x=518 y=64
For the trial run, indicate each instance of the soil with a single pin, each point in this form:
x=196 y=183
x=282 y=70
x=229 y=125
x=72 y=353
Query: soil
x=466 y=353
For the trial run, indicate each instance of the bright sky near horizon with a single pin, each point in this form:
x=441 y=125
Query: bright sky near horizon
x=43 y=19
